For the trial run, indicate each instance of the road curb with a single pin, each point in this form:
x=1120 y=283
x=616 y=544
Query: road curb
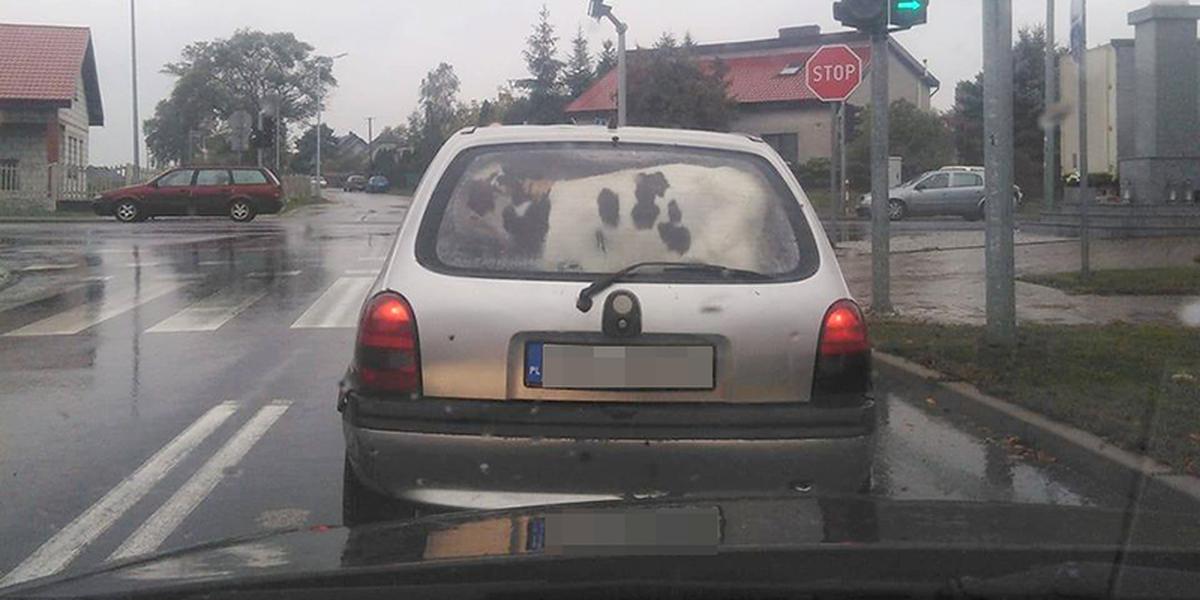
x=9 y=220
x=1132 y=474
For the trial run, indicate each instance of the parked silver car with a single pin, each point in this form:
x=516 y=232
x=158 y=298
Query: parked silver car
x=953 y=191
x=579 y=313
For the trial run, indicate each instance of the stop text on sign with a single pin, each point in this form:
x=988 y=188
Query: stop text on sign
x=834 y=72
x=823 y=73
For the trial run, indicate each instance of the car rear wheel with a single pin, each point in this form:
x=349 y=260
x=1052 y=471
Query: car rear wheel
x=897 y=210
x=362 y=505
x=128 y=211
x=241 y=211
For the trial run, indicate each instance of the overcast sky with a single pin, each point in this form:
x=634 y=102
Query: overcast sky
x=393 y=43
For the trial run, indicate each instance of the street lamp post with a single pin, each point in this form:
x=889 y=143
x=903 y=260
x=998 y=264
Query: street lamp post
x=320 y=105
x=597 y=9
x=137 y=151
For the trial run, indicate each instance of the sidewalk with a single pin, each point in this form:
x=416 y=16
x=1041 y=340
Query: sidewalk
x=939 y=276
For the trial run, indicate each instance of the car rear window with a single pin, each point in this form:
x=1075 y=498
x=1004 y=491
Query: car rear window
x=249 y=177
x=577 y=210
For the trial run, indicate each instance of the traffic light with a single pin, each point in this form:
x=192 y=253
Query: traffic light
x=869 y=16
x=906 y=14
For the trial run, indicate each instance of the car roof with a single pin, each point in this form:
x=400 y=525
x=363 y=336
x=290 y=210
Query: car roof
x=218 y=167
x=515 y=134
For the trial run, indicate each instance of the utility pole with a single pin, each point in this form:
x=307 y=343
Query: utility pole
x=881 y=298
x=278 y=143
x=1085 y=192
x=320 y=108
x=370 y=142
x=258 y=147
x=1050 y=178
x=998 y=166
x=137 y=149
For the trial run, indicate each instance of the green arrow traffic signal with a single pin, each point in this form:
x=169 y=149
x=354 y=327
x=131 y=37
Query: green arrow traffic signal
x=909 y=13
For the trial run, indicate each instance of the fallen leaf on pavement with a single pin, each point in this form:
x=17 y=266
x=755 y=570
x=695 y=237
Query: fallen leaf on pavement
x=930 y=401
x=1195 y=437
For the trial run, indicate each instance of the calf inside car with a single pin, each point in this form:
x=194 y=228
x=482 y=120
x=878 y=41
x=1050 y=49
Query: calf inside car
x=578 y=313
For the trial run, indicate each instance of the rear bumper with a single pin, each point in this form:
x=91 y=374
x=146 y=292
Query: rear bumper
x=534 y=453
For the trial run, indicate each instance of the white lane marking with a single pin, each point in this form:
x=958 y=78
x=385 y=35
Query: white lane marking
x=61 y=549
x=38 y=268
x=146 y=265
x=209 y=263
x=272 y=274
x=214 y=311
x=75 y=320
x=151 y=534
x=338 y=306
x=360 y=272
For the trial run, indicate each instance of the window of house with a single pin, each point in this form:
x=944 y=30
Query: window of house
x=786 y=144
x=10 y=175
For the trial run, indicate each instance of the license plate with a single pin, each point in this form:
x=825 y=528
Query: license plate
x=582 y=367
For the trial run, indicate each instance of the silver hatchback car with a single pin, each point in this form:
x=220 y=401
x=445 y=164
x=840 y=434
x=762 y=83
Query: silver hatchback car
x=579 y=314
x=952 y=191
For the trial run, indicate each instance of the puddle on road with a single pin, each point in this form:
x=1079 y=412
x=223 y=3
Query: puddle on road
x=924 y=455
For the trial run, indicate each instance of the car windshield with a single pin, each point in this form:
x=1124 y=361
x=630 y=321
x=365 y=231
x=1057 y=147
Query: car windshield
x=884 y=297
x=597 y=208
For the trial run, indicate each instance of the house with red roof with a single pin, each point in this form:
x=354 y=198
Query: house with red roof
x=767 y=78
x=49 y=100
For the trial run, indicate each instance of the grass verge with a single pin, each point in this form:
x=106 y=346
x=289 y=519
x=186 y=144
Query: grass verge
x=1157 y=281
x=1137 y=386
x=299 y=201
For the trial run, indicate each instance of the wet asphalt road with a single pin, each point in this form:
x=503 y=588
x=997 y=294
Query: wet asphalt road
x=172 y=382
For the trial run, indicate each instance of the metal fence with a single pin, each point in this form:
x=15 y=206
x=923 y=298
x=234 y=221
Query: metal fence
x=10 y=176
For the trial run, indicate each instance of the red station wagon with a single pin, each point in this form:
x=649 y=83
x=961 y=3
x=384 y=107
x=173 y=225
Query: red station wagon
x=239 y=192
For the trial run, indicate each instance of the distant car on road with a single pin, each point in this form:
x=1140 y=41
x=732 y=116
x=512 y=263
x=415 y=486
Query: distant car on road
x=575 y=313
x=239 y=192
x=954 y=191
x=378 y=184
x=355 y=183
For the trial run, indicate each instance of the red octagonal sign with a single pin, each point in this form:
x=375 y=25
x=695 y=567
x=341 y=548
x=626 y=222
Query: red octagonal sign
x=833 y=72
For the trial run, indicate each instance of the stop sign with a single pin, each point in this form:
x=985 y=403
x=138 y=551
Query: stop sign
x=833 y=72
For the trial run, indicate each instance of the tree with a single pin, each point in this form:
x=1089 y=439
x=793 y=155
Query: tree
x=607 y=59
x=668 y=87
x=579 y=73
x=666 y=41
x=218 y=78
x=547 y=96
x=437 y=116
x=966 y=120
x=1029 y=87
x=305 y=159
x=921 y=137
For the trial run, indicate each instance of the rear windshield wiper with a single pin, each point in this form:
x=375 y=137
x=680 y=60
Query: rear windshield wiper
x=584 y=303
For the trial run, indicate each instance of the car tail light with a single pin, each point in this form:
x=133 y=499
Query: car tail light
x=386 y=356
x=843 y=369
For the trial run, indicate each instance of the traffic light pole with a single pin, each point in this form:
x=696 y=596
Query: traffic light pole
x=881 y=298
x=834 y=169
x=998 y=167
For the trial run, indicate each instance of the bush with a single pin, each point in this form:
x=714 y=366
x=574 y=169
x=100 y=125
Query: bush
x=814 y=173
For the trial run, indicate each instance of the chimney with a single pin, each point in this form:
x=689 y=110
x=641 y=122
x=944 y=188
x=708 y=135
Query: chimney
x=799 y=32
